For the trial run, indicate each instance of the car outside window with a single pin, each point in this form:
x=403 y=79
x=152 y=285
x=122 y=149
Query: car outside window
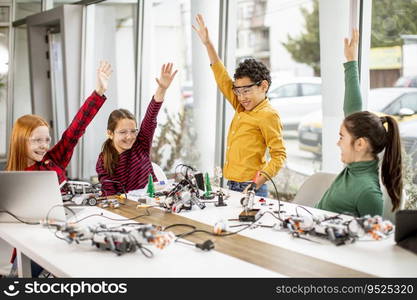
x=310 y=89
x=394 y=108
x=409 y=101
x=288 y=90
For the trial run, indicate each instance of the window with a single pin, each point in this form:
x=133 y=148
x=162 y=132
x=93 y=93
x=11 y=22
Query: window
x=4 y=72
x=287 y=42
x=4 y=14
x=308 y=89
x=62 y=2
x=251 y=39
x=248 y=12
x=393 y=43
x=26 y=8
x=187 y=120
x=405 y=101
x=110 y=36
x=288 y=90
x=394 y=108
x=409 y=101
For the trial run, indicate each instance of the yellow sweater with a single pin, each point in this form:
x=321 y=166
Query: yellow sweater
x=250 y=134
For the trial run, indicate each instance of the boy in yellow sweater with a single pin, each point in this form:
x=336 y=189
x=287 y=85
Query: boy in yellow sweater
x=255 y=127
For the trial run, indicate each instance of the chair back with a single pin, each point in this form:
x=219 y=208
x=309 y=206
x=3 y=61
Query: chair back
x=159 y=173
x=313 y=189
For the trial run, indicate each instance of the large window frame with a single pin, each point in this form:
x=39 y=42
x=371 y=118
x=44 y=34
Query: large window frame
x=360 y=13
x=8 y=26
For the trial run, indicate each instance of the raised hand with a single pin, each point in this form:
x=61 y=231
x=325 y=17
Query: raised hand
x=351 y=47
x=202 y=30
x=104 y=72
x=166 y=76
x=164 y=81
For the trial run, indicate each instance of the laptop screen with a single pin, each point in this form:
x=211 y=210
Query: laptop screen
x=30 y=195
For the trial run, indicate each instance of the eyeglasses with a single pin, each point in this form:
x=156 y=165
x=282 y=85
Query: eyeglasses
x=40 y=141
x=244 y=90
x=126 y=132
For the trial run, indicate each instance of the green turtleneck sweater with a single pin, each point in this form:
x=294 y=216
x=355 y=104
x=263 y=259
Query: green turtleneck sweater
x=356 y=189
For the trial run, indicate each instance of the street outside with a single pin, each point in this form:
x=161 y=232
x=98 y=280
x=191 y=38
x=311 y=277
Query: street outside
x=298 y=160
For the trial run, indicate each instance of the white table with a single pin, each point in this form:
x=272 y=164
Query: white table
x=83 y=260
x=376 y=258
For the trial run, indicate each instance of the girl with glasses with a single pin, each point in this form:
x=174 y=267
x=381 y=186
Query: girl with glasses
x=29 y=148
x=124 y=163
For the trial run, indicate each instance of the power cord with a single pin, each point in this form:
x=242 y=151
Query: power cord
x=19 y=219
x=205 y=246
x=113 y=219
x=148 y=213
x=276 y=192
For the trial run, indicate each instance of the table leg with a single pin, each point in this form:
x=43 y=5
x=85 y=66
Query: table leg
x=24 y=267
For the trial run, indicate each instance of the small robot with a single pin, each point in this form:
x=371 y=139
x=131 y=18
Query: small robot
x=81 y=193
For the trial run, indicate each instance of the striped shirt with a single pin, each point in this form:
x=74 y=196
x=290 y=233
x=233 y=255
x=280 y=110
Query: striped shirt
x=134 y=166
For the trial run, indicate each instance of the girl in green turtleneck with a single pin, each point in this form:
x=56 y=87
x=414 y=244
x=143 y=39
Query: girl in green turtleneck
x=356 y=189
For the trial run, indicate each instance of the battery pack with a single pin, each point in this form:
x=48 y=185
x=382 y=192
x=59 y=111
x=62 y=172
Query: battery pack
x=251 y=215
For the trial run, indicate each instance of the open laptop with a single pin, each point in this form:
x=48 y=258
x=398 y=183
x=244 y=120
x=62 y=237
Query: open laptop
x=30 y=195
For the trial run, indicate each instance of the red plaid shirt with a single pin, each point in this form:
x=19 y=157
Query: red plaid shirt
x=58 y=158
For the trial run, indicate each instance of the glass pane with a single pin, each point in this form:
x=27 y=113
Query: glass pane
x=21 y=84
x=26 y=8
x=394 y=108
x=409 y=101
x=393 y=67
x=310 y=89
x=4 y=72
x=393 y=43
x=118 y=38
x=61 y=2
x=289 y=90
x=292 y=53
x=4 y=14
x=110 y=35
x=186 y=126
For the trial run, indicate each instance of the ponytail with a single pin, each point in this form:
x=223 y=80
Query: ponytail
x=110 y=156
x=368 y=125
x=391 y=170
